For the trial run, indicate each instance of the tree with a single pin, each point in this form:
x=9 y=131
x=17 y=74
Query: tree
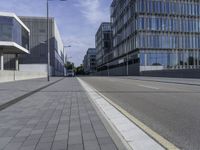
x=79 y=70
x=69 y=66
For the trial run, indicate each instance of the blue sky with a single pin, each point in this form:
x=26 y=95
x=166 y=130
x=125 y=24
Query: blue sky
x=78 y=20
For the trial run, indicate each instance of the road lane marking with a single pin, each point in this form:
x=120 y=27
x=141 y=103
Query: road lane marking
x=149 y=87
x=134 y=132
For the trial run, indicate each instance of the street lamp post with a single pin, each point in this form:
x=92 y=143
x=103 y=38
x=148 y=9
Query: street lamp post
x=64 y=50
x=65 y=59
x=127 y=61
x=108 y=69
x=127 y=65
x=48 y=50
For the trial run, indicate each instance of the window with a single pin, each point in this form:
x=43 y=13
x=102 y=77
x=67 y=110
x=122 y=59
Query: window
x=167 y=7
x=191 y=58
x=153 y=26
x=11 y=30
x=42 y=31
x=142 y=59
x=6 y=24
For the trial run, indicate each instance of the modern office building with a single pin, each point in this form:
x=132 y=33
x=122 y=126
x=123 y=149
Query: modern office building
x=155 y=35
x=103 y=43
x=37 y=60
x=14 y=40
x=89 y=62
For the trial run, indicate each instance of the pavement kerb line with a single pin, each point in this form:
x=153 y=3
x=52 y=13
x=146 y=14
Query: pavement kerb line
x=116 y=136
x=20 y=98
x=162 y=141
x=158 y=138
x=182 y=83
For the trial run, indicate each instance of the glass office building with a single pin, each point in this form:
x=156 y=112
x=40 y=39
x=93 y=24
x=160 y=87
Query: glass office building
x=38 y=58
x=12 y=30
x=89 y=62
x=103 y=44
x=156 y=34
x=14 y=40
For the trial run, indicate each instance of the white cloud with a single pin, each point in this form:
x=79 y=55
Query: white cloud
x=91 y=9
x=78 y=31
x=79 y=44
x=24 y=7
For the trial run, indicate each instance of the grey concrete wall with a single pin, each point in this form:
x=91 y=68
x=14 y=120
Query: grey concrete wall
x=6 y=76
x=38 y=46
x=182 y=73
x=33 y=67
x=120 y=71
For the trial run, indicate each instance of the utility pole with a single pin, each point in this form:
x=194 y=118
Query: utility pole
x=48 y=51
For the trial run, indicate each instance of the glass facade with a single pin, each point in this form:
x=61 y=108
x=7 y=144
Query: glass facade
x=12 y=30
x=168 y=33
x=168 y=41
x=165 y=33
x=89 y=62
x=169 y=7
x=166 y=23
x=103 y=43
x=170 y=59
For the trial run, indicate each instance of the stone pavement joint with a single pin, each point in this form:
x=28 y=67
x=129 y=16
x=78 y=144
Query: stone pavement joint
x=10 y=91
x=59 y=117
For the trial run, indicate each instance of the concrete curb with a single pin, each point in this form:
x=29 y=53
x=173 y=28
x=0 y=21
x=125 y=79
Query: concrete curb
x=131 y=141
x=159 y=81
x=117 y=138
x=115 y=135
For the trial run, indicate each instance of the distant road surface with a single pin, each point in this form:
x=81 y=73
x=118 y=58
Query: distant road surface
x=171 y=107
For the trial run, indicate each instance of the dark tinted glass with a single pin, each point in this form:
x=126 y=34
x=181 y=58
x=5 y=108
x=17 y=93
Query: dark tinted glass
x=11 y=30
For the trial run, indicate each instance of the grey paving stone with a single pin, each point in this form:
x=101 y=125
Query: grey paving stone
x=91 y=145
x=13 y=146
x=60 y=137
x=11 y=90
x=65 y=131
x=75 y=128
x=86 y=128
x=75 y=133
x=108 y=147
x=75 y=147
x=18 y=139
x=10 y=133
x=101 y=133
x=27 y=148
x=105 y=140
x=34 y=137
x=30 y=143
x=37 y=131
x=2 y=131
x=48 y=134
x=75 y=140
x=89 y=136
x=59 y=145
x=4 y=141
x=46 y=139
x=43 y=146
x=57 y=118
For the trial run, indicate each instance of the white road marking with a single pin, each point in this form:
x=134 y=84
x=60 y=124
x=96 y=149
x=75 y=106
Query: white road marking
x=136 y=138
x=150 y=87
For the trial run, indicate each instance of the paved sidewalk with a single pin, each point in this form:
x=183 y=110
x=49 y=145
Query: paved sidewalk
x=59 y=117
x=12 y=90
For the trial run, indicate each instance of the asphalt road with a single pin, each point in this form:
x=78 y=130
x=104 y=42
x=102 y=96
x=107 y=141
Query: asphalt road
x=170 y=109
